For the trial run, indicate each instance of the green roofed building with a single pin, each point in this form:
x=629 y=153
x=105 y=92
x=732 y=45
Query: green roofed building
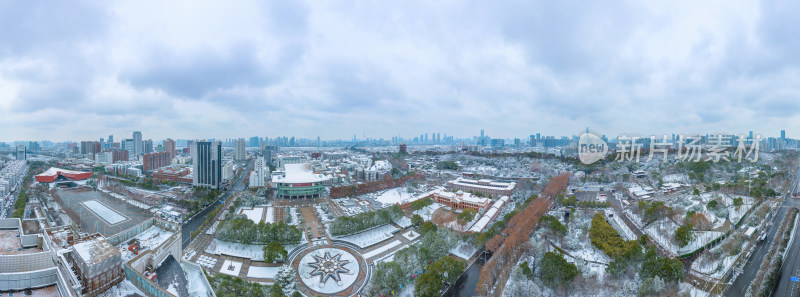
x=299 y=181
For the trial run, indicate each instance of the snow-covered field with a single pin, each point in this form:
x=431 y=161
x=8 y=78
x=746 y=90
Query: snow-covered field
x=427 y=212
x=403 y=221
x=107 y=214
x=382 y=249
x=371 y=236
x=395 y=195
x=254 y=214
x=713 y=267
x=250 y=251
x=262 y=272
x=662 y=231
x=464 y=251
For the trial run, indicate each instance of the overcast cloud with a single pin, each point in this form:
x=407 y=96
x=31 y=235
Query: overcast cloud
x=223 y=69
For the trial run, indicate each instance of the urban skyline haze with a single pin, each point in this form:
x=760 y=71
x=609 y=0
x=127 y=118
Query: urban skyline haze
x=199 y=69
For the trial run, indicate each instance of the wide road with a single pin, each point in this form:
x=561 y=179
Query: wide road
x=791 y=265
x=195 y=222
x=742 y=282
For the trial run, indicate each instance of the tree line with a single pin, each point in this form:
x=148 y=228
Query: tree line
x=239 y=228
x=345 y=225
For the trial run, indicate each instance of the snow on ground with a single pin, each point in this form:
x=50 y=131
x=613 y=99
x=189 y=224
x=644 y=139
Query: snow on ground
x=107 y=214
x=123 y=198
x=427 y=212
x=663 y=231
x=621 y=227
x=270 y=215
x=675 y=178
x=395 y=195
x=371 y=236
x=591 y=253
x=713 y=267
x=737 y=212
x=331 y=286
x=403 y=222
x=692 y=290
x=382 y=249
x=254 y=214
x=262 y=272
x=250 y=251
x=232 y=268
x=411 y=235
x=390 y=256
x=464 y=251
x=123 y=289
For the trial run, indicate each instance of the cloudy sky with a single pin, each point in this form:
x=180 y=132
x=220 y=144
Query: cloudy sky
x=83 y=70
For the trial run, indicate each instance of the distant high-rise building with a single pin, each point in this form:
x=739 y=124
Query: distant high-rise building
x=22 y=153
x=110 y=138
x=783 y=134
x=169 y=147
x=207 y=164
x=239 y=152
x=130 y=146
x=482 y=134
x=253 y=141
x=138 y=146
x=403 y=148
x=148 y=146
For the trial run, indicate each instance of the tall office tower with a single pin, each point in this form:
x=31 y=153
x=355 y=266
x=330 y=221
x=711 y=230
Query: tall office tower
x=783 y=134
x=130 y=146
x=169 y=147
x=148 y=146
x=22 y=153
x=239 y=153
x=207 y=164
x=110 y=138
x=481 y=133
x=137 y=143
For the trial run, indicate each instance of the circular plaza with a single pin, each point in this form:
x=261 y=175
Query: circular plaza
x=330 y=270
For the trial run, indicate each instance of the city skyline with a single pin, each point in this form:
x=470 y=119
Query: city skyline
x=315 y=69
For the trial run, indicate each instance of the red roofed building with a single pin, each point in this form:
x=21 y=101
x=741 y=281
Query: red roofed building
x=53 y=173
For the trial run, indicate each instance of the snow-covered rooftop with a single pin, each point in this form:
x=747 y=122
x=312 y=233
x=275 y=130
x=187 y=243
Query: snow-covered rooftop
x=299 y=173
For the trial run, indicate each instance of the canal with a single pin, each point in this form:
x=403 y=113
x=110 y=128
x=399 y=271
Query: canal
x=465 y=285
